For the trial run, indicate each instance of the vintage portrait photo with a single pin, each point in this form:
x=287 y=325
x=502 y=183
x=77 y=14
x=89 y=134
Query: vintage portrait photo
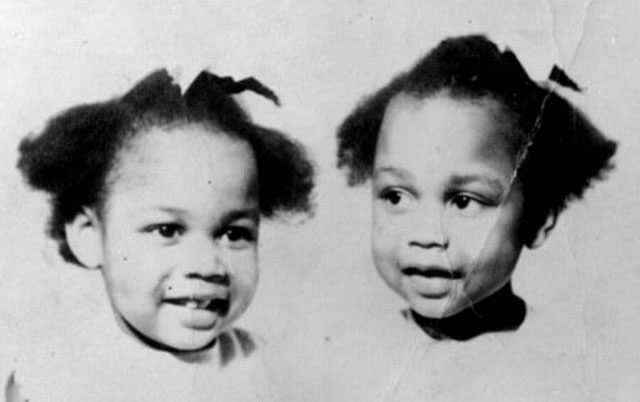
x=320 y=201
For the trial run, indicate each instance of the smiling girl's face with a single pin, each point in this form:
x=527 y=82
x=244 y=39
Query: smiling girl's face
x=178 y=234
x=446 y=213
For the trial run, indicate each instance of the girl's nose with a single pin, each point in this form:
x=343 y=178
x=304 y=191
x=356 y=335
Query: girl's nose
x=427 y=228
x=206 y=260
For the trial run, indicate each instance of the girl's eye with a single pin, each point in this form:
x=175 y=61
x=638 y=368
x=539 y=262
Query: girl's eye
x=396 y=200
x=461 y=202
x=393 y=197
x=167 y=231
x=467 y=205
x=238 y=236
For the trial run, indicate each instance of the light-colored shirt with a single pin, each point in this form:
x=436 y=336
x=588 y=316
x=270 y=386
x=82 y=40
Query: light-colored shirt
x=88 y=357
x=392 y=359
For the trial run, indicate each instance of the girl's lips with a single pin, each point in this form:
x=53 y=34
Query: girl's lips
x=197 y=297
x=194 y=318
x=431 y=271
x=197 y=313
x=430 y=287
x=213 y=304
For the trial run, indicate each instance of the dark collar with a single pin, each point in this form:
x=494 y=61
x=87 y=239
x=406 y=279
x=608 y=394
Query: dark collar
x=502 y=311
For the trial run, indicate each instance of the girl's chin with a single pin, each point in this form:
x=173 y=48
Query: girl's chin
x=193 y=347
x=435 y=308
x=184 y=345
x=187 y=341
x=177 y=341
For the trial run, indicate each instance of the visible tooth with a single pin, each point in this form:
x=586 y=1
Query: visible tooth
x=191 y=305
x=205 y=303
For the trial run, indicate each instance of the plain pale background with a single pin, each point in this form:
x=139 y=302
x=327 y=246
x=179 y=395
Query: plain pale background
x=321 y=57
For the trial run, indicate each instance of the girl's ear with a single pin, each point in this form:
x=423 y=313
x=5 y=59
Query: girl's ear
x=84 y=238
x=543 y=232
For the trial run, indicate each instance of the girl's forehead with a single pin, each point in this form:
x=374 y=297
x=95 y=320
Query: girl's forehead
x=442 y=125
x=181 y=155
x=440 y=136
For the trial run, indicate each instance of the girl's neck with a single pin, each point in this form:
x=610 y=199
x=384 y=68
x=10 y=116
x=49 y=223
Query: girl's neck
x=502 y=311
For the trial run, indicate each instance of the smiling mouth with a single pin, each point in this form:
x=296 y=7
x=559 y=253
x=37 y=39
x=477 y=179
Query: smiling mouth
x=432 y=272
x=216 y=305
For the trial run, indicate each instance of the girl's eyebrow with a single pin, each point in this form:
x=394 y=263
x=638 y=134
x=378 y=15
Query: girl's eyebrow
x=161 y=208
x=249 y=213
x=463 y=179
x=400 y=173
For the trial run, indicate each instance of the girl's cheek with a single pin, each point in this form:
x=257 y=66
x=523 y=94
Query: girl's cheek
x=383 y=234
x=378 y=228
x=474 y=230
x=242 y=265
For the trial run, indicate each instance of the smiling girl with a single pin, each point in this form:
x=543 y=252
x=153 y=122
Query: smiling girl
x=162 y=192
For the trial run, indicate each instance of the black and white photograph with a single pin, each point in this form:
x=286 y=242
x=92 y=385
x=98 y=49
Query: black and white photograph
x=320 y=201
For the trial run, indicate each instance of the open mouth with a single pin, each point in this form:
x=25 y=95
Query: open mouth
x=432 y=272
x=213 y=304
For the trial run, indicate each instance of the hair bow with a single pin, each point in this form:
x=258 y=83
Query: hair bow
x=558 y=76
x=229 y=86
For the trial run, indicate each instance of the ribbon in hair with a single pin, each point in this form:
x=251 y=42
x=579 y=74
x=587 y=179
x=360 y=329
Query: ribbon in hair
x=558 y=76
x=229 y=86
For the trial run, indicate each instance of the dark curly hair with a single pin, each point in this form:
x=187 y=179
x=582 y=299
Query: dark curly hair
x=558 y=150
x=73 y=155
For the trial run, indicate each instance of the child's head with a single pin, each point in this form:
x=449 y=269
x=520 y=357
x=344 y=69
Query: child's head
x=470 y=161
x=164 y=192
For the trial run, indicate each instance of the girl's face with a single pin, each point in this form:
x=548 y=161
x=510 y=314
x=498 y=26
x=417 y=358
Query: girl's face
x=446 y=213
x=179 y=234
